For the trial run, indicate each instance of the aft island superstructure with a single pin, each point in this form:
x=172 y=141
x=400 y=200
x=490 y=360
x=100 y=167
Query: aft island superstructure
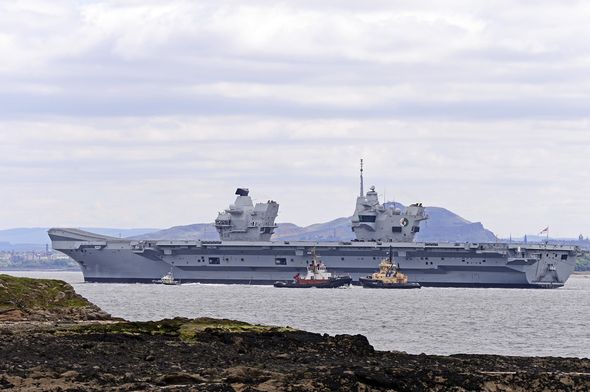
x=246 y=254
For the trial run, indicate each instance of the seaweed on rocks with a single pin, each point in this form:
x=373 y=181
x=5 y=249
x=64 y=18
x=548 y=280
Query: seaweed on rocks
x=27 y=299
x=207 y=354
x=124 y=359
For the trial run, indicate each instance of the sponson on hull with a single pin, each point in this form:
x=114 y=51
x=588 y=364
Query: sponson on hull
x=246 y=254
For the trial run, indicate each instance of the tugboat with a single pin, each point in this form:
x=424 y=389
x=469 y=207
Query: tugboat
x=317 y=276
x=388 y=277
x=167 y=279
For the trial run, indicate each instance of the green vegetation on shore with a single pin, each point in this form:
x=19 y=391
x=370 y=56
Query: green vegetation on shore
x=583 y=262
x=27 y=299
x=187 y=329
x=47 y=299
x=28 y=293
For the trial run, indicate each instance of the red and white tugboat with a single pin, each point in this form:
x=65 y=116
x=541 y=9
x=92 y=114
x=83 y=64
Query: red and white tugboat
x=317 y=276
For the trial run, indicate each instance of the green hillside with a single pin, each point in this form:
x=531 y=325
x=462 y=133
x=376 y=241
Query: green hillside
x=583 y=263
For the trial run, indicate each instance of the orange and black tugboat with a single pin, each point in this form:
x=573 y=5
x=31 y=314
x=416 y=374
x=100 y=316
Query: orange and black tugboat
x=317 y=276
x=388 y=277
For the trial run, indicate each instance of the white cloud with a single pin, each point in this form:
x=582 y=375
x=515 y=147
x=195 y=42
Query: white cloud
x=513 y=176
x=109 y=109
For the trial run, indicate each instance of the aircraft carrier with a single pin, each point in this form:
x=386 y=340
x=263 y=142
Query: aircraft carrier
x=245 y=253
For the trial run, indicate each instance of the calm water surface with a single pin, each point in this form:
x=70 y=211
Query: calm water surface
x=430 y=320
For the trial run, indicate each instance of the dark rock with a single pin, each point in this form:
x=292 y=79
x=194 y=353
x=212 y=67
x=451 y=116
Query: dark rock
x=5 y=384
x=224 y=355
x=354 y=344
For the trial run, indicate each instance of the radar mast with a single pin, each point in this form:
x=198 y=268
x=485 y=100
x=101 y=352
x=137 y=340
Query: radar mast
x=362 y=190
x=371 y=221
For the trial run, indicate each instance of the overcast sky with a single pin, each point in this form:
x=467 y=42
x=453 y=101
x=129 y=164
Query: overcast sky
x=150 y=113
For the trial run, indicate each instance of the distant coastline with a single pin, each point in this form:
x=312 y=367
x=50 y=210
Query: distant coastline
x=37 y=268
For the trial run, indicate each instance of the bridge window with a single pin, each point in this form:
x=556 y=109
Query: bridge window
x=564 y=257
x=415 y=229
x=396 y=229
x=367 y=218
x=214 y=260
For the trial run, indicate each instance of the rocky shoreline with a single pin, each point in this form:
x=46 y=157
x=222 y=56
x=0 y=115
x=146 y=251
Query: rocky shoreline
x=46 y=348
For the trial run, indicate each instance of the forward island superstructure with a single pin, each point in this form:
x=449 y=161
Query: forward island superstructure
x=245 y=253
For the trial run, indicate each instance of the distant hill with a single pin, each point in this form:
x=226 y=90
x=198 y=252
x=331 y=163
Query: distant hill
x=201 y=231
x=335 y=230
x=443 y=225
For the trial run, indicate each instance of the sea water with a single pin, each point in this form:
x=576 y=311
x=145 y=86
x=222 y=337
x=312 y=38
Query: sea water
x=523 y=322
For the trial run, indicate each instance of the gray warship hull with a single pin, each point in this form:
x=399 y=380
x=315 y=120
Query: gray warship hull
x=108 y=259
